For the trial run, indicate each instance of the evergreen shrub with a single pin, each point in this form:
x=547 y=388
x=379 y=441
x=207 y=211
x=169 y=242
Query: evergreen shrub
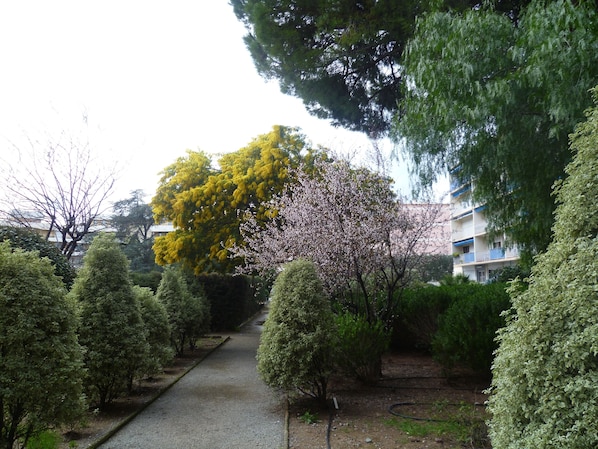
x=155 y=318
x=360 y=346
x=466 y=332
x=417 y=316
x=41 y=364
x=29 y=240
x=297 y=343
x=188 y=313
x=545 y=373
x=111 y=330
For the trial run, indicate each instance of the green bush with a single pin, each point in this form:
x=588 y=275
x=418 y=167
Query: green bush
x=467 y=330
x=112 y=330
x=29 y=240
x=150 y=279
x=188 y=313
x=417 y=316
x=155 y=318
x=44 y=440
x=360 y=346
x=296 y=347
x=545 y=373
x=40 y=359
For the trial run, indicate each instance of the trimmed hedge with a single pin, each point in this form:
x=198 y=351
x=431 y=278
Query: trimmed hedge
x=232 y=299
x=456 y=323
x=467 y=330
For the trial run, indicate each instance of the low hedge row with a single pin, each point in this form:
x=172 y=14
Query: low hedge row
x=456 y=323
x=233 y=299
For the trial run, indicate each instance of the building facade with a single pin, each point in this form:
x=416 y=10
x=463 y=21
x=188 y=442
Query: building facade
x=475 y=254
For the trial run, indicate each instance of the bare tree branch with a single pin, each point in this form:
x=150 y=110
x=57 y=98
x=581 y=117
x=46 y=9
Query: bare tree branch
x=58 y=182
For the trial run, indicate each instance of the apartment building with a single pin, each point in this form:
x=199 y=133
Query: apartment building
x=475 y=254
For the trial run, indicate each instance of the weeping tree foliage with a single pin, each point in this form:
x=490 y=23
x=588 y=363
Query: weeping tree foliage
x=296 y=347
x=203 y=203
x=546 y=369
x=41 y=365
x=494 y=99
x=112 y=330
x=342 y=58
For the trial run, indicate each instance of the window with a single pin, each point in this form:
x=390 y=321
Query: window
x=465 y=249
x=497 y=245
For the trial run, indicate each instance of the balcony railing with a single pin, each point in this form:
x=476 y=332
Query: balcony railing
x=497 y=253
x=485 y=256
x=464 y=258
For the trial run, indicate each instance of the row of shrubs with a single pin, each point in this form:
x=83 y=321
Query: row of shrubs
x=232 y=299
x=457 y=323
x=88 y=338
x=304 y=341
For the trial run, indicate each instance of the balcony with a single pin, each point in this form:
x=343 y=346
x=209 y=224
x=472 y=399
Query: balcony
x=462 y=234
x=497 y=253
x=468 y=257
x=464 y=258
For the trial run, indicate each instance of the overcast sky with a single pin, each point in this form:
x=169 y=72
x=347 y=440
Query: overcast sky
x=154 y=77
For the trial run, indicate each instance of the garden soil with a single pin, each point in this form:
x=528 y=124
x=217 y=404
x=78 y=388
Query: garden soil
x=415 y=405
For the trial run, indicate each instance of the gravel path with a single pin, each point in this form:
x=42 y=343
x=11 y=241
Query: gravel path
x=221 y=403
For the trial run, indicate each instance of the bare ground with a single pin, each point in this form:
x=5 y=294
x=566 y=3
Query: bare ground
x=435 y=411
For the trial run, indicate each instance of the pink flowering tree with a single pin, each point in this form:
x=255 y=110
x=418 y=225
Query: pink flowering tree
x=363 y=240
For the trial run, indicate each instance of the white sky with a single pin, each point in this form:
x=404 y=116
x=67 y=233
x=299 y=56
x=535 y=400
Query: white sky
x=155 y=78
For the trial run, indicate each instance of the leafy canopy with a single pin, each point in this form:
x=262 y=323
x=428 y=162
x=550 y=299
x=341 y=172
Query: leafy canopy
x=546 y=369
x=342 y=58
x=203 y=203
x=495 y=100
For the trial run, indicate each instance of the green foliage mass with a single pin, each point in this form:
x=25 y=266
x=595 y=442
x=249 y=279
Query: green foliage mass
x=544 y=391
x=467 y=329
x=133 y=219
x=111 y=330
x=188 y=314
x=496 y=99
x=296 y=347
x=40 y=359
x=360 y=346
x=232 y=299
x=29 y=240
x=342 y=58
x=155 y=318
x=418 y=313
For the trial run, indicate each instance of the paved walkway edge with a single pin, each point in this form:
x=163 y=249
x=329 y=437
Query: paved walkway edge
x=129 y=418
